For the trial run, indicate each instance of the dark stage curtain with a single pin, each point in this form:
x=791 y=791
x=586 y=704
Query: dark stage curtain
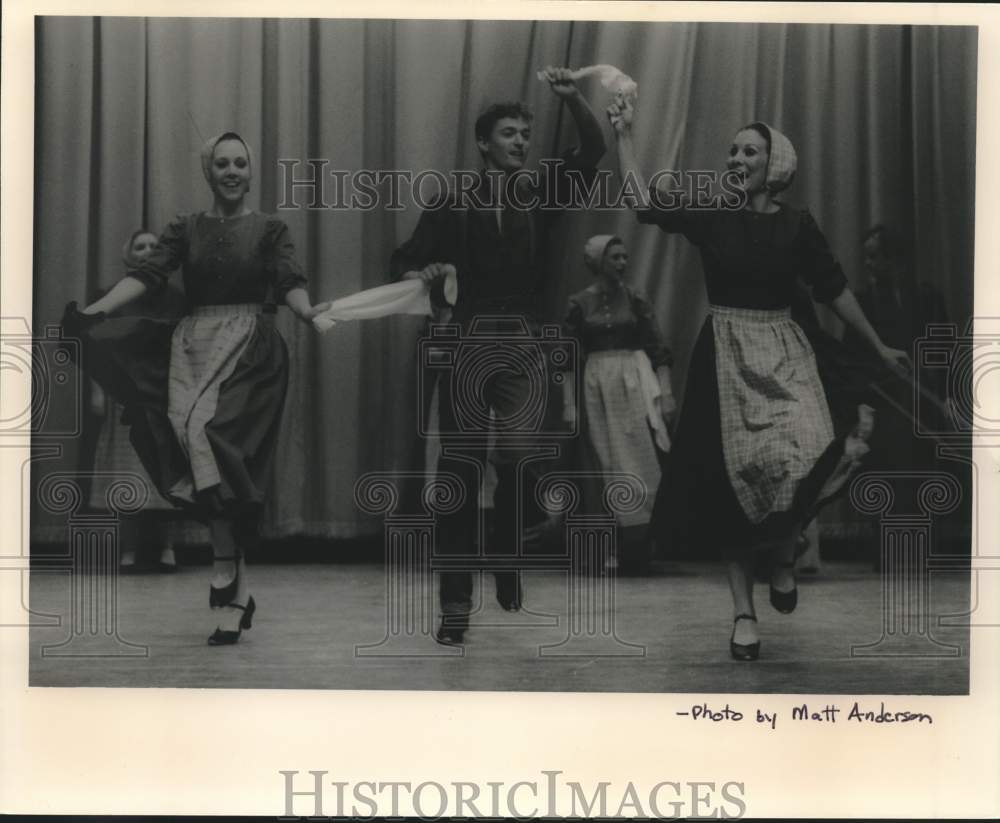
x=882 y=118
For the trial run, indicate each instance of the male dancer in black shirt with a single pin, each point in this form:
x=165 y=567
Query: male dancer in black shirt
x=494 y=235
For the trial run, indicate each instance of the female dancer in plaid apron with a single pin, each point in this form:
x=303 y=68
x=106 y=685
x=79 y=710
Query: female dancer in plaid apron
x=204 y=395
x=755 y=452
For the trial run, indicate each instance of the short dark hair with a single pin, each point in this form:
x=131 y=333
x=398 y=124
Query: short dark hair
x=488 y=119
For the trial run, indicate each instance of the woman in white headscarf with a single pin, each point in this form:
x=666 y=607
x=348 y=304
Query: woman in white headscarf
x=204 y=395
x=625 y=397
x=756 y=451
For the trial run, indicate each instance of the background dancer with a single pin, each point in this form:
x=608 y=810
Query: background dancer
x=626 y=399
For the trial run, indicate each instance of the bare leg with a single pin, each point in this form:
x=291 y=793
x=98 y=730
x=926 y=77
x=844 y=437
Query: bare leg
x=228 y=562
x=224 y=551
x=741 y=586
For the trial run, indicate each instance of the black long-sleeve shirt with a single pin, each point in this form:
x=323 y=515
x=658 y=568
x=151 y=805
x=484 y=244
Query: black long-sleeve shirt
x=498 y=263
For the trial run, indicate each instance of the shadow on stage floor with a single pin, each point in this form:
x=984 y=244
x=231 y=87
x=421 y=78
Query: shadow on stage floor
x=327 y=626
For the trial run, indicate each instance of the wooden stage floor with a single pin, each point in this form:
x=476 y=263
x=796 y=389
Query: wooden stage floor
x=312 y=617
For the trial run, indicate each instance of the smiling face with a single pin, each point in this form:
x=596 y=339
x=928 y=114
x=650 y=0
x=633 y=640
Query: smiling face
x=230 y=171
x=615 y=261
x=748 y=158
x=143 y=245
x=507 y=146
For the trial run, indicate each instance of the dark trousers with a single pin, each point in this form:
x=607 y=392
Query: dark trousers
x=508 y=392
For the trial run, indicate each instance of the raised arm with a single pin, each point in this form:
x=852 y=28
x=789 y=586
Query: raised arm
x=592 y=145
x=620 y=114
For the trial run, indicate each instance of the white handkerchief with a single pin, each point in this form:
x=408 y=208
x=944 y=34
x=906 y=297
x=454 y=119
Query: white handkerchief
x=613 y=79
x=403 y=297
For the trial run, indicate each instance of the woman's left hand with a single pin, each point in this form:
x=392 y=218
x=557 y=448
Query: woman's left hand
x=897 y=361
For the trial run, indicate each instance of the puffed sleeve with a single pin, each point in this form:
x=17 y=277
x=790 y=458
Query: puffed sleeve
x=669 y=211
x=650 y=338
x=170 y=253
x=282 y=265
x=820 y=269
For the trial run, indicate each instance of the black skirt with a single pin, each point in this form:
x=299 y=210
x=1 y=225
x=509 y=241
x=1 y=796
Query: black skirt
x=697 y=514
x=129 y=358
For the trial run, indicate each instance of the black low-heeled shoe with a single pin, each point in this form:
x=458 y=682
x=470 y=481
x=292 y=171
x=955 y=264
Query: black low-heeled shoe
x=510 y=593
x=228 y=638
x=225 y=596
x=743 y=651
x=784 y=602
x=450 y=636
x=451 y=631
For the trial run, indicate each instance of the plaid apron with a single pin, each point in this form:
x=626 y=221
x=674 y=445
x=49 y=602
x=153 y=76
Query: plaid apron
x=205 y=348
x=775 y=420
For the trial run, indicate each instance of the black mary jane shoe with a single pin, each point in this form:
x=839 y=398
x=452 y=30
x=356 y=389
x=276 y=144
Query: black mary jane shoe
x=743 y=651
x=228 y=638
x=784 y=602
